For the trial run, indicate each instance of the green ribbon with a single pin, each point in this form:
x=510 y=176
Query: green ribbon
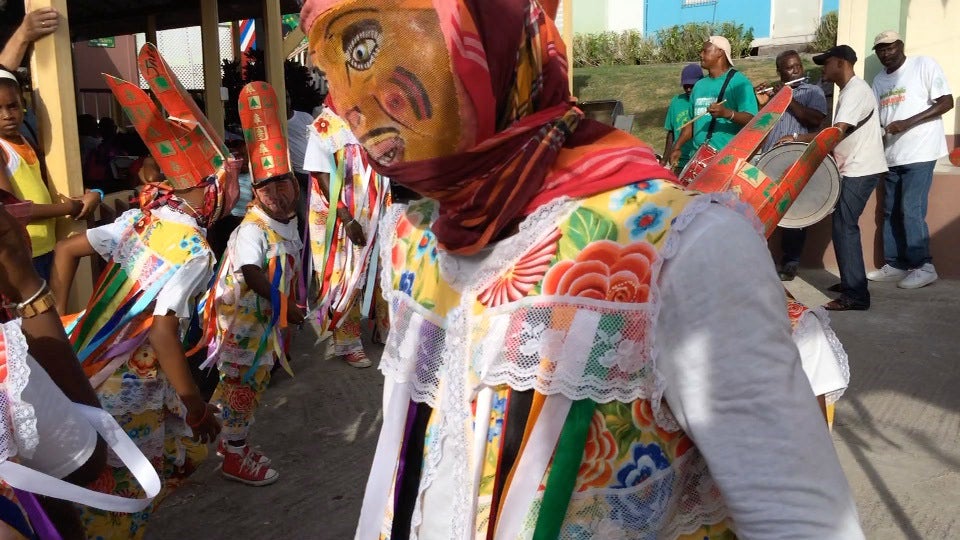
x=564 y=470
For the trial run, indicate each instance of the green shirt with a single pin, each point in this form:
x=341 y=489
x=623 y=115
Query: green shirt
x=678 y=114
x=739 y=97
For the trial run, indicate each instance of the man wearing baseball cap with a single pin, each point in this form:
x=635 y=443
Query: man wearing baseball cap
x=913 y=96
x=678 y=114
x=725 y=93
x=860 y=160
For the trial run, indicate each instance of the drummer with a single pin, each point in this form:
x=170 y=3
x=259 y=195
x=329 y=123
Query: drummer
x=805 y=114
x=725 y=94
x=861 y=163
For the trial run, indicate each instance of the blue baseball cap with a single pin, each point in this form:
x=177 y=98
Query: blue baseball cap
x=691 y=74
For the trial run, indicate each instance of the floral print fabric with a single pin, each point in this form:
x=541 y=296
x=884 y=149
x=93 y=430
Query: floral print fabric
x=597 y=261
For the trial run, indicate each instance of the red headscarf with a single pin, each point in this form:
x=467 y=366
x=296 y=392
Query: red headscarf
x=532 y=145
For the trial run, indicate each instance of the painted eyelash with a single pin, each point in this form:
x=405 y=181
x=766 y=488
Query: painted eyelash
x=371 y=34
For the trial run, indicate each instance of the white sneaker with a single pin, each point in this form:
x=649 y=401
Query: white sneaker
x=920 y=277
x=887 y=273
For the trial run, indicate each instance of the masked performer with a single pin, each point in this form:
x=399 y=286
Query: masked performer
x=253 y=300
x=343 y=243
x=578 y=349
x=129 y=337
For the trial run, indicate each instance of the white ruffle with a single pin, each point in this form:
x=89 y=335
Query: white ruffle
x=22 y=415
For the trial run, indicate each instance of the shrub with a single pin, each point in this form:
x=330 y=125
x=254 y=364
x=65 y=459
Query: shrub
x=613 y=49
x=682 y=43
x=826 y=35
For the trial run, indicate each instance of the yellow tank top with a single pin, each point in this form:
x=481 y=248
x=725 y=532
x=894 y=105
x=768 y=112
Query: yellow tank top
x=23 y=168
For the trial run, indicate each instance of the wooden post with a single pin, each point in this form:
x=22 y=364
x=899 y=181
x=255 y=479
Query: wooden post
x=151 y=33
x=212 y=73
x=235 y=37
x=273 y=55
x=292 y=41
x=56 y=106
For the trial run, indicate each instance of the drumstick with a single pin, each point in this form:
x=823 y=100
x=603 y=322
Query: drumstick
x=699 y=116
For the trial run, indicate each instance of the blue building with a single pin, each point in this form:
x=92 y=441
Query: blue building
x=773 y=21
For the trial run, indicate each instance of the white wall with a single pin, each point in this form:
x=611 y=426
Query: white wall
x=624 y=14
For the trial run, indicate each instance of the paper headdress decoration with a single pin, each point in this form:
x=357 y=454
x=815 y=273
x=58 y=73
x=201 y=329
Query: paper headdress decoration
x=263 y=132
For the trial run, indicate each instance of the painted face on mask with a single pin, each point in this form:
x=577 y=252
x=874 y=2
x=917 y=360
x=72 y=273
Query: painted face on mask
x=278 y=198
x=389 y=73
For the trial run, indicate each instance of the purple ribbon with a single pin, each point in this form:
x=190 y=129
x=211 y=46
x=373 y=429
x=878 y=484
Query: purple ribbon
x=41 y=524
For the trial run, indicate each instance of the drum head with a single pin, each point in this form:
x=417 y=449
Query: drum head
x=818 y=197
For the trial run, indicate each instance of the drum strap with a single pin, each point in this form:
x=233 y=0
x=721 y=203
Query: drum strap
x=860 y=123
x=723 y=89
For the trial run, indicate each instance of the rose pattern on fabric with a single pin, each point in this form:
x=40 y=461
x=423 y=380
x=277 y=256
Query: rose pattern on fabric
x=643 y=418
x=605 y=270
x=599 y=453
x=143 y=363
x=795 y=311
x=522 y=277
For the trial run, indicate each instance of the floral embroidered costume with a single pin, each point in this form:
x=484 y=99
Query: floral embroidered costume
x=158 y=264
x=344 y=288
x=560 y=365
x=250 y=329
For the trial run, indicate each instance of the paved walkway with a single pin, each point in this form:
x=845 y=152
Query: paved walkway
x=896 y=433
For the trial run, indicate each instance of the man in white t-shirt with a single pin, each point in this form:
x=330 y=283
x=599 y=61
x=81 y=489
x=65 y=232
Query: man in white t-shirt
x=913 y=96
x=860 y=159
x=297 y=124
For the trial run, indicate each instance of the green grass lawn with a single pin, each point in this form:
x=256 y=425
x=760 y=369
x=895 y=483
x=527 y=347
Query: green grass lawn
x=646 y=91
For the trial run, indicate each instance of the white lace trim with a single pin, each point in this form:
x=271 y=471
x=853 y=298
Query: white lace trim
x=24 y=418
x=839 y=352
x=470 y=275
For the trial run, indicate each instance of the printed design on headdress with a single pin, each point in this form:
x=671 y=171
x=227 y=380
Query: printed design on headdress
x=185 y=145
x=263 y=131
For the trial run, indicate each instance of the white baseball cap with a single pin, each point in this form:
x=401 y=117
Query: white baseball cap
x=886 y=37
x=723 y=44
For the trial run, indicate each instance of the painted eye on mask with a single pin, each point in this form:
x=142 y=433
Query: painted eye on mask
x=361 y=44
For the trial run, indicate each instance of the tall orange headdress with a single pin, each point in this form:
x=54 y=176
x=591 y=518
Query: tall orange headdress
x=184 y=143
x=266 y=143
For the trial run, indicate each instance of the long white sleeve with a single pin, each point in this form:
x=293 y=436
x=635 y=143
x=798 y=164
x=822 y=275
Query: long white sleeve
x=735 y=384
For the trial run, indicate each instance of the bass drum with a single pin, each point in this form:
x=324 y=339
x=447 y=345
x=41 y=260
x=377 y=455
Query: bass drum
x=818 y=197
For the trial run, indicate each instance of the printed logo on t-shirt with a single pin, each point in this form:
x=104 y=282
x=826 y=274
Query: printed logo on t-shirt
x=893 y=96
x=701 y=104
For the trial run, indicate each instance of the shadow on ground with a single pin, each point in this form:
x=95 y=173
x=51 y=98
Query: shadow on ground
x=320 y=429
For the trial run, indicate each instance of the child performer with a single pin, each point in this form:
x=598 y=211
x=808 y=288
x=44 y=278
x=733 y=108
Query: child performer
x=343 y=245
x=252 y=298
x=129 y=337
x=20 y=174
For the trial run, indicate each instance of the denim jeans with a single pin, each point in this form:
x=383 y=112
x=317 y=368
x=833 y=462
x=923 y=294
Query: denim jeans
x=906 y=239
x=791 y=242
x=43 y=264
x=854 y=194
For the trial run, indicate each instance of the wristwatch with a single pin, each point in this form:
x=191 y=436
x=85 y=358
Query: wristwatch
x=41 y=302
x=41 y=305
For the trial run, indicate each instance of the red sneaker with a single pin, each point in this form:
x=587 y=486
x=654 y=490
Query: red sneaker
x=357 y=360
x=254 y=455
x=237 y=465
